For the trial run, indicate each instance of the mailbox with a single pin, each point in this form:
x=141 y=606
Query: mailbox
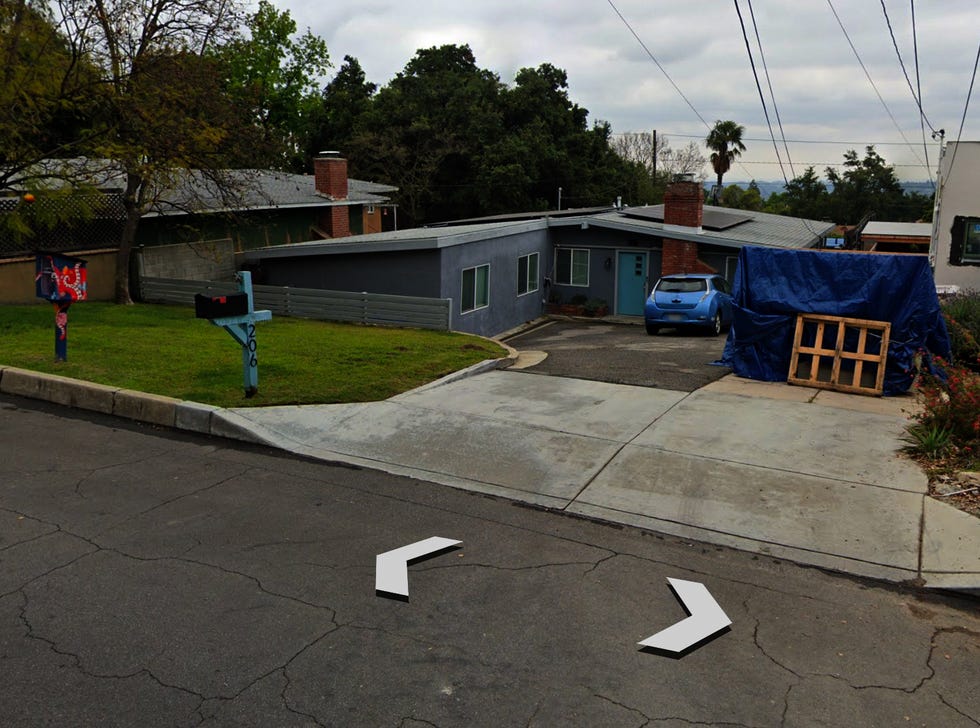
x=214 y=307
x=60 y=278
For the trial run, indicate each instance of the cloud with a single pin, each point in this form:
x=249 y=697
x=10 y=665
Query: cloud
x=821 y=91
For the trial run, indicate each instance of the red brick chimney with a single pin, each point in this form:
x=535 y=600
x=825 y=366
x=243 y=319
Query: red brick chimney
x=683 y=208
x=330 y=174
x=684 y=204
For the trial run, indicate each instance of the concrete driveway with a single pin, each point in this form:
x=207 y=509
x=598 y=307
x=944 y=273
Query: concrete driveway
x=624 y=354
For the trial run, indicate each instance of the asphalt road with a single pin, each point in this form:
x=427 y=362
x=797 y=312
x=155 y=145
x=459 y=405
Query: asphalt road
x=625 y=354
x=153 y=578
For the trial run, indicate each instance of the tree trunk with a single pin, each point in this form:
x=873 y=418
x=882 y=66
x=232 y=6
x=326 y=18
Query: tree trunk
x=133 y=215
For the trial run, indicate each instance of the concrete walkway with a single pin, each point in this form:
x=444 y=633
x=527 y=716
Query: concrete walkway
x=803 y=474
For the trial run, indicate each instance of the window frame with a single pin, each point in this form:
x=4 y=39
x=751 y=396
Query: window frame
x=959 y=252
x=571 y=266
x=531 y=283
x=476 y=278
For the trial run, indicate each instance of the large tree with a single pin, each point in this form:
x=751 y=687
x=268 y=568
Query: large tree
x=423 y=130
x=275 y=76
x=162 y=111
x=866 y=188
x=343 y=102
x=725 y=142
x=49 y=100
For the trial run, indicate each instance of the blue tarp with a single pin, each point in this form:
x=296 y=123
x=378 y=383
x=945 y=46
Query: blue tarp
x=772 y=286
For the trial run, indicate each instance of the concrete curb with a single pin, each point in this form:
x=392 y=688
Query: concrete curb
x=165 y=411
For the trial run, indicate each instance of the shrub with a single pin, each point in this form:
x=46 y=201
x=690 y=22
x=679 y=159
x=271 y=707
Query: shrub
x=950 y=414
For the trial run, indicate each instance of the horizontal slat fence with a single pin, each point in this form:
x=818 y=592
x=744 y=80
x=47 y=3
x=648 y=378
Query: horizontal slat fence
x=313 y=303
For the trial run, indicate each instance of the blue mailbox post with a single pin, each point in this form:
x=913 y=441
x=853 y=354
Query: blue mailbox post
x=236 y=314
x=63 y=280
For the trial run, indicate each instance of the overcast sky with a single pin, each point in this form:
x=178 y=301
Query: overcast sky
x=821 y=91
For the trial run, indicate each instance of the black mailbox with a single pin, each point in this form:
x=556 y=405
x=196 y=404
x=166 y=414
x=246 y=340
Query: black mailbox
x=212 y=307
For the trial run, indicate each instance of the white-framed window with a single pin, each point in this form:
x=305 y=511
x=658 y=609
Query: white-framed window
x=370 y=209
x=572 y=266
x=527 y=274
x=476 y=288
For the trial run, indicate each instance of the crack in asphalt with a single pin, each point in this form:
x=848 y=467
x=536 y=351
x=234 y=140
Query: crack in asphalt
x=21 y=516
x=189 y=494
x=144 y=457
x=33 y=634
x=423 y=721
x=955 y=709
x=646 y=718
x=76 y=659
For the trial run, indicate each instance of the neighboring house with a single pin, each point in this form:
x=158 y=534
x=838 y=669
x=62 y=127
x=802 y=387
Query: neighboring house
x=270 y=208
x=273 y=208
x=896 y=237
x=955 y=250
x=501 y=274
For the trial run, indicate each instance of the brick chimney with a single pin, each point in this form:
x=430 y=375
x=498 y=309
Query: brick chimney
x=330 y=170
x=684 y=203
x=330 y=174
x=683 y=210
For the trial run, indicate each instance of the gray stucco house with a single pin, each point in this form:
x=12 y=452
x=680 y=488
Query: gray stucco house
x=501 y=274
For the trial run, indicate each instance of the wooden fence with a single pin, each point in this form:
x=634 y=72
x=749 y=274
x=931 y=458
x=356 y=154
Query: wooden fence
x=313 y=303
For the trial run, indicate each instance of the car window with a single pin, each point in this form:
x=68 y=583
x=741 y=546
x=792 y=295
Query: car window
x=682 y=285
x=720 y=284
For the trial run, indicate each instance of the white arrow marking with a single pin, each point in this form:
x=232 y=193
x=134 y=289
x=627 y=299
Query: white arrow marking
x=706 y=619
x=391 y=567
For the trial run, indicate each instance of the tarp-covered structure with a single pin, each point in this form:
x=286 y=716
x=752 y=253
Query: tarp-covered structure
x=773 y=286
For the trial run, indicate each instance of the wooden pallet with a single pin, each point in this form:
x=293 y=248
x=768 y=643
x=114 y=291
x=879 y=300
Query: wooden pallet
x=844 y=354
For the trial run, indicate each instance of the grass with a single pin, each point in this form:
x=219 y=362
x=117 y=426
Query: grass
x=165 y=350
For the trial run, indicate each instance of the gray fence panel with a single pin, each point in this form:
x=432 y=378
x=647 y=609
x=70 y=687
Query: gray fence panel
x=368 y=308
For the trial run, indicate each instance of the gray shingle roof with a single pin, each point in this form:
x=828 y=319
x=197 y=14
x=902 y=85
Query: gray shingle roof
x=257 y=189
x=774 y=231
x=193 y=191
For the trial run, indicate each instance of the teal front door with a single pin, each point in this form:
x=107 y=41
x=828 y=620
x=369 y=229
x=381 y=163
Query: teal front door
x=631 y=283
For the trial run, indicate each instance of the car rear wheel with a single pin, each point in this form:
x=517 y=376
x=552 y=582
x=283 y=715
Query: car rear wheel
x=653 y=329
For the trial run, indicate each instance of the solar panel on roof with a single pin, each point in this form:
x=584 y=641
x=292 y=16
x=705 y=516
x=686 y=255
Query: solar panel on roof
x=710 y=219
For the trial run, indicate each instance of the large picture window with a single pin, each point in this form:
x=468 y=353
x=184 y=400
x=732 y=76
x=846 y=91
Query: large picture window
x=476 y=288
x=572 y=266
x=965 y=243
x=527 y=274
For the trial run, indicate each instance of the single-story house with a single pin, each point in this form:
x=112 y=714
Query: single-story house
x=896 y=237
x=502 y=274
x=955 y=250
x=272 y=208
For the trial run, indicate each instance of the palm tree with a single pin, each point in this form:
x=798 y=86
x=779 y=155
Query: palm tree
x=725 y=142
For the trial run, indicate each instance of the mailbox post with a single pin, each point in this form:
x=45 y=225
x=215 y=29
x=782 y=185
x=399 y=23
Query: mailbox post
x=236 y=314
x=62 y=280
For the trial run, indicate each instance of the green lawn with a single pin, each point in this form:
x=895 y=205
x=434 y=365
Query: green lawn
x=165 y=350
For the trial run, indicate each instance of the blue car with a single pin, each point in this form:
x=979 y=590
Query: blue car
x=697 y=300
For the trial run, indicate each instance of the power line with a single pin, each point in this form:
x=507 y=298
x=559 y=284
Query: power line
x=915 y=97
x=918 y=85
x=772 y=94
x=762 y=98
x=662 y=69
x=654 y=59
x=966 y=106
x=794 y=141
x=870 y=80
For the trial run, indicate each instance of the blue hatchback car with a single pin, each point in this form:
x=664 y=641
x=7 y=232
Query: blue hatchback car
x=697 y=300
